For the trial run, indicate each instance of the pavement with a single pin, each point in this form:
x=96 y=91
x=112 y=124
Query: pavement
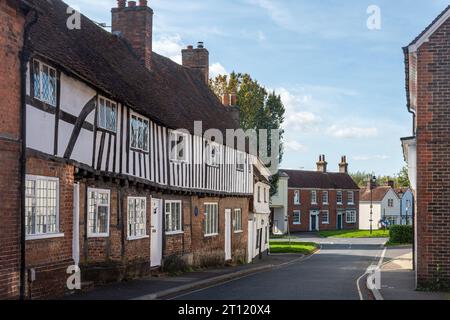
x=152 y=288
x=398 y=277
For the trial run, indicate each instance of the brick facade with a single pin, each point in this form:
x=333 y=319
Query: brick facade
x=433 y=159
x=51 y=257
x=11 y=41
x=333 y=208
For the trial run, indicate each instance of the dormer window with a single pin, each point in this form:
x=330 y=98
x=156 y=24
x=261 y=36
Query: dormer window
x=178 y=147
x=139 y=133
x=107 y=114
x=44 y=82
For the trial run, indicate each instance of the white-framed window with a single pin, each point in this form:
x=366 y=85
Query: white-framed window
x=41 y=206
x=325 y=217
x=297 y=197
x=297 y=219
x=351 y=216
x=313 y=197
x=240 y=161
x=107 y=114
x=350 y=197
x=139 y=133
x=173 y=216
x=44 y=82
x=408 y=204
x=98 y=212
x=339 y=197
x=390 y=203
x=237 y=220
x=213 y=154
x=211 y=219
x=137 y=217
x=325 y=197
x=178 y=147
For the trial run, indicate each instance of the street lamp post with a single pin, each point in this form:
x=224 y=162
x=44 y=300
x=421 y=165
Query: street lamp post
x=372 y=181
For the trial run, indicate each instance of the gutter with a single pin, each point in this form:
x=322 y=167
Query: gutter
x=24 y=57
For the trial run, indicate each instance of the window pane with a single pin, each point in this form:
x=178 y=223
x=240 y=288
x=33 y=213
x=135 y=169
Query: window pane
x=102 y=219
x=37 y=79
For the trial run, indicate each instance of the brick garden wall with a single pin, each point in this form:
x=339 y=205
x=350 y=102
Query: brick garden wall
x=11 y=40
x=433 y=163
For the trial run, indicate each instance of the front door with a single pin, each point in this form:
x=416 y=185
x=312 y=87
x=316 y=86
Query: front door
x=339 y=221
x=228 y=235
x=314 y=218
x=156 y=237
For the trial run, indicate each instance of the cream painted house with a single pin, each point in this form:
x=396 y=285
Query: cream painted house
x=279 y=206
x=386 y=206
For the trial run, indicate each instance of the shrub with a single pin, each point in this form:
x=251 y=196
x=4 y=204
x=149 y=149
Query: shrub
x=175 y=265
x=401 y=234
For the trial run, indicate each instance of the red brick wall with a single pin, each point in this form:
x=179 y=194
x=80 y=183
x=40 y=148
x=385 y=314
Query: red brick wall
x=114 y=258
x=11 y=39
x=433 y=152
x=51 y=257
x=211 y=250
x=305 y=207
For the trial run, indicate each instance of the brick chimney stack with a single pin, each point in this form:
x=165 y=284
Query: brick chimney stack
x=197 y=59
x=229 y=99
x=135 y=24
x=343 y=166
x=322 y=164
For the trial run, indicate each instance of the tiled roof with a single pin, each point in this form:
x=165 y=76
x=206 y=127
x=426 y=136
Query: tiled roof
x=169 y=94
x=319 y=180
x=378 y=194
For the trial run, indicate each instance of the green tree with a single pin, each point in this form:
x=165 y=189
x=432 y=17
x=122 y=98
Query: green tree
x=403 y=178
x=259 y=109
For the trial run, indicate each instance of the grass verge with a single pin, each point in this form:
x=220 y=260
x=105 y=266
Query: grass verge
x=355 y=234
x=294 y=247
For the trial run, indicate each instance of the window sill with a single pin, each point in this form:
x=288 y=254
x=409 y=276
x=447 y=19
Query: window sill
x=174 y=233
x=45 y=236
x=137 y=238
x=240 y=231
x=351 y=204
x=211 y=235
x=139 y=150
x=297 y=224
x=93 y=236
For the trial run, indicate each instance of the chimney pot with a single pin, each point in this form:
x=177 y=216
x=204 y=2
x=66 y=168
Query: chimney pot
x=143 y=3
x=233 y=99
x=121 y=3
x=226 y=99
x=131 y=3
x=190 y=47
x=343 y=166
x=200 y=45
x=322 y=164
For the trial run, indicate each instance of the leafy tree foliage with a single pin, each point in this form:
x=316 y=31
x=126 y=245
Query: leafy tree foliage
x=259 y=109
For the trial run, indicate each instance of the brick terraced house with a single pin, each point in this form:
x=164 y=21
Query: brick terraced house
x=427 y=151
x=112 y=183
x=321 y=200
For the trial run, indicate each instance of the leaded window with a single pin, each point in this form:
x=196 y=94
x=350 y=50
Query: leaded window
x=44 y=82
x=107 y=114
x=211 y=219
x=237 y=220
x=98 y=212
x=137 y=217
x=173 y=216
x=41 y=205
x=139 y=134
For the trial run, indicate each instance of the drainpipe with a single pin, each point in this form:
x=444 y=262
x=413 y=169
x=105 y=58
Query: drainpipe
x=24 y=58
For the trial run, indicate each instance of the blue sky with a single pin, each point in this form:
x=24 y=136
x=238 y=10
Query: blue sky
x=342 y=84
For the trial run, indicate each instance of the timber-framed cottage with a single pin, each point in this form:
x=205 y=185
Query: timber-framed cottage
x=117 y=177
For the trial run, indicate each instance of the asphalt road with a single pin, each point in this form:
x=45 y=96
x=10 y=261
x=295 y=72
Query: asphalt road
x=330 y=274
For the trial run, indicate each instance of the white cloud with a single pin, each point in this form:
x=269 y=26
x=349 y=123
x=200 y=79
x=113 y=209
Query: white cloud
x=294 y=146
x=369 y=158
x=344 y=132
x=296 y=118
x=217 y=69
x=169 y=46
x=278 y=13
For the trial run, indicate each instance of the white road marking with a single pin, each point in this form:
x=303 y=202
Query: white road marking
x=380 y=263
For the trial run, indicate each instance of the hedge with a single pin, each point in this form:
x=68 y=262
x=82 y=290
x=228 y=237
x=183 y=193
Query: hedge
x=401 y=234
